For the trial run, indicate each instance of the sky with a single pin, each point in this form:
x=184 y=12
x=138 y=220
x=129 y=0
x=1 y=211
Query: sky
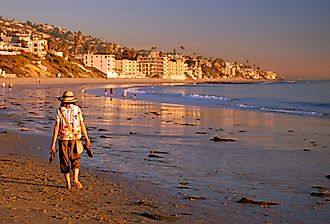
x=291 y=37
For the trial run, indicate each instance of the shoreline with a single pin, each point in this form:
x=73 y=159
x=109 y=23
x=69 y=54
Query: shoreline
x=62 y=81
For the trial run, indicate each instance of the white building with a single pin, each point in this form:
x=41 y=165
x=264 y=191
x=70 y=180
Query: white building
x=129 y=67
x=103 y=62
x=152 y=64
x=38 y=47
x=175 y=69
x=270 y=75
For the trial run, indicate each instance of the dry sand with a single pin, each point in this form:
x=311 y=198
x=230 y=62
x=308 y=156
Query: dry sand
x=277 y=158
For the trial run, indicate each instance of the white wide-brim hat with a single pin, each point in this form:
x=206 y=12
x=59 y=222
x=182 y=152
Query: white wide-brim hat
x=67 y=97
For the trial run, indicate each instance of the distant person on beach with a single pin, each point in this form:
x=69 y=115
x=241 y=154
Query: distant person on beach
x=106 y=92
x=3 y=85
x=111 y=92
x=125 y=93
x=10 y=86
x=68 y=130
x=83 y=89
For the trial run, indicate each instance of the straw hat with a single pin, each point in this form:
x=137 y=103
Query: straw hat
x=67 y=97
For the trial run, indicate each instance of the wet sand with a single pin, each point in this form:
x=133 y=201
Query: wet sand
x=34 y=191
x=272 y=158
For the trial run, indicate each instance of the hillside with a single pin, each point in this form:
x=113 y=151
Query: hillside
x=59 y=50
x=28 y=65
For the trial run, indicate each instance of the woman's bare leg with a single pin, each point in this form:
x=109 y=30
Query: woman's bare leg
x=76 y=178
x=67 y=180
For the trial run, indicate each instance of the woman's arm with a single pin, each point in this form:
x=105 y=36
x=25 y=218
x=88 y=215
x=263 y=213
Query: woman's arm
x=84 y=132
x=55 y=134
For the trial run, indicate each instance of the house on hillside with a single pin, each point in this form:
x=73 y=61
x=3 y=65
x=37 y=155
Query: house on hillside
x=38 y=47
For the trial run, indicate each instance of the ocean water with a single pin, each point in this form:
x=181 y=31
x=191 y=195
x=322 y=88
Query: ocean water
x=165 y=139
x=305 y=98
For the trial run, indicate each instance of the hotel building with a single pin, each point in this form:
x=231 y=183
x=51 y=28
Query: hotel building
x=152 y=65
x=175 y=69
x=103 y=62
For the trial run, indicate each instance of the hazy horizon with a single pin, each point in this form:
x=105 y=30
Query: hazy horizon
x=289 y=37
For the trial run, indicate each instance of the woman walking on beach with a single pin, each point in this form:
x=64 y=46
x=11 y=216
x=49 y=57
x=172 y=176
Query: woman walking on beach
x=69 y=128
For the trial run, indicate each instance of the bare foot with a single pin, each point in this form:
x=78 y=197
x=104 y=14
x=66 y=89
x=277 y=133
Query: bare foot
x=68 y=186
x=78 y=184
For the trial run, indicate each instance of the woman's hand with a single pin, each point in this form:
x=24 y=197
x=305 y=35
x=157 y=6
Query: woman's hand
x=88 y=142
x=53 y=149
x=52 y=153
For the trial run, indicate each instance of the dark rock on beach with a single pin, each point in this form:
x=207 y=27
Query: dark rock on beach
x=193 y=198
x=151 y=155
x=323 y=194
x=200 y=132
x=155 y=216
x=105 y=136
x=247 y=200
x=219 y=139
x=155 y=113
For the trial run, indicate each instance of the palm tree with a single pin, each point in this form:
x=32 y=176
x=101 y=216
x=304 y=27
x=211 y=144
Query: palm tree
x=182 y=48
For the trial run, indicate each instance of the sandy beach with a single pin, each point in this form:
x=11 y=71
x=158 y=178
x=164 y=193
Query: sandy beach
x=33 y=190
x=61 y=81
x=272 y=168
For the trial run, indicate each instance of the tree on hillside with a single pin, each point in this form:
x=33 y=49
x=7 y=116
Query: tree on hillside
x=91 y=49
x=182 y=49
x=108 y=48
x=115 y=47
x=190 y=62
x=78 y=39
x=130 y=54
x=63 y=47
x=118 y=55
x=52 y=44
